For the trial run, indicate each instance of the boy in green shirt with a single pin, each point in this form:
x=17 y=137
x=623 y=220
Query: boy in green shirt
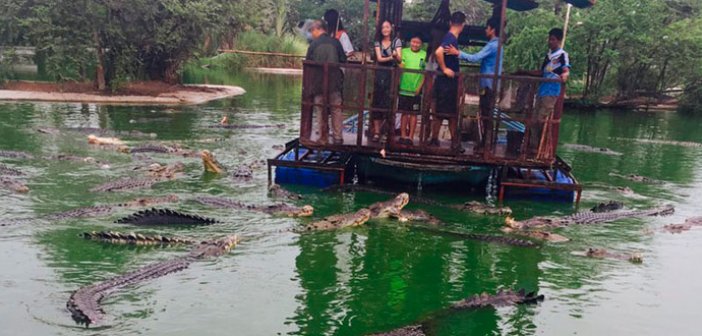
x=413 y=58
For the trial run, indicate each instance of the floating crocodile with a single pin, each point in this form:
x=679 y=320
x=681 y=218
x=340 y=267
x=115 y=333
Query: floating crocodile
x=15 y=155
x=413 y=330
x=104 y=210
x=8 y=171
x=483 y=209
x=276 y=191
x=127 y=184
x=600 y=253
x=280 y=209
x=165 y=217
x=588 y=217
x=688 y=225
x=688 y=144
x=97 y=131
x=13 y=185
x=488 y=238
x=590 y=149
x=73 y=158
x=500 y=299
x=540 y=235
x=636 y=178
x=357 y=218
x=84 y=303
x=608 y=207
x=391 y=208
x=108 y=143
x=242 y=173
x=164 y=149
x=417 y=216
x=167 y=172
x=132 y=238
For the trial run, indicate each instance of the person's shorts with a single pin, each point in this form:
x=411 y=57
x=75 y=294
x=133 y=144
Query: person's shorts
x=446 y=93
x=409 y=103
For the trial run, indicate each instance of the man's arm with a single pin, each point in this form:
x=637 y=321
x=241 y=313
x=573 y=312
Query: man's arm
x=565 y=74
x=485 y=52
x=439 y=53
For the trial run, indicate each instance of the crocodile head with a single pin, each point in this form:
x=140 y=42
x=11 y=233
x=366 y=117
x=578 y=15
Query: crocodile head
x=305 y=211
x=391 y=207
x=595 y=252
x=636 y=258
x=512 y=223
x=211 y=164
x=215 y=248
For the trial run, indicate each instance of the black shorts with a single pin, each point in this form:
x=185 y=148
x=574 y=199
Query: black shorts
x=446 y=93
x=409 y=104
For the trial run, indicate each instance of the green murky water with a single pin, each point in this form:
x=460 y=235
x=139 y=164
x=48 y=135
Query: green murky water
x=351 y=282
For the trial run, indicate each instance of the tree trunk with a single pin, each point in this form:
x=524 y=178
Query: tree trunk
x=171 y=73
x=100 y=66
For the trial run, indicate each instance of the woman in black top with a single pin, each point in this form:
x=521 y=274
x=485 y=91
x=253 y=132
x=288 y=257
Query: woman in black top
x=388 y=53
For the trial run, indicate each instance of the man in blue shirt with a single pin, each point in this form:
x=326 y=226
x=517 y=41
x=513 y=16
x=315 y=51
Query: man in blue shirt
x=487 y=57
x=556 y=65
x=446 y=85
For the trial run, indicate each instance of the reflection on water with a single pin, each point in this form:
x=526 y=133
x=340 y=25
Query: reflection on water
x=356 y=281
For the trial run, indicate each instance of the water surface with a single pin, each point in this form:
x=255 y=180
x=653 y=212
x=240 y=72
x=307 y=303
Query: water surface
x=351 y=282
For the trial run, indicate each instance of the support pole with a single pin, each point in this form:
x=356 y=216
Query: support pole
x=366 y=15
x=500 y=48
x=565 y=26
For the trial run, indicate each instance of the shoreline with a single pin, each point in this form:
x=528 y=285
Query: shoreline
x=203 y=94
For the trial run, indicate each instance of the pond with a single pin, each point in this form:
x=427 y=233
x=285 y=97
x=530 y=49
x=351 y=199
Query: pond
x=356 y=281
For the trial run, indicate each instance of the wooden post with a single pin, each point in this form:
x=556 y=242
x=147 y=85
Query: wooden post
x=565 y=26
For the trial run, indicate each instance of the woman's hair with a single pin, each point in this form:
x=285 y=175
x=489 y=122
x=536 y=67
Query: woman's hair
x=331 y=16
x=379 y=31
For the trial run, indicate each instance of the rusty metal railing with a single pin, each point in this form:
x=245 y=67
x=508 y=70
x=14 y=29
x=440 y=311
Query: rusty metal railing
x=510 y=131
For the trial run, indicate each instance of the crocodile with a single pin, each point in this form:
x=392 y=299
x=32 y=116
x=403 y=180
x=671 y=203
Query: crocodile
x=132 y=238
x=608 y=207
x=242 y=173
x=73 y=158
x=500 y=299
x=108 y=143
x=688 y=225
x=483 y=209
x=389 y=208
x=688 y=144
x=600 y=253
x=15 y=155
x=637 y=178
x=165 y=217
x=167 y=172
x=97 y=131
x=413 y=330
x=127 y=184
x=13 y=185
x=164 y=149
x=588 y=217
x=488 y=238
x=539 y=235
x=104 y=210
x=280 y=209
x=276 y=191
x=590 y=149
x=417 y=216
x=357 y=218
x=8 y=171
x=84 y=303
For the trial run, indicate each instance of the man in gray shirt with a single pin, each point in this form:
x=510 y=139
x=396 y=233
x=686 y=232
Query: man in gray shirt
x=325 y=49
